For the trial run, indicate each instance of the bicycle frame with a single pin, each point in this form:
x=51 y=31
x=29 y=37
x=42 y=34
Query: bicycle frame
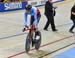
x=31 y=31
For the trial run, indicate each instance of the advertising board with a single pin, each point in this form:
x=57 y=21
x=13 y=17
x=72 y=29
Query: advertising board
x=40 y=2
x=12 y=6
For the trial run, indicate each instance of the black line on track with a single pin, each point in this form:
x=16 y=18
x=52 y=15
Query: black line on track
x=56 y=50
x=26 y=33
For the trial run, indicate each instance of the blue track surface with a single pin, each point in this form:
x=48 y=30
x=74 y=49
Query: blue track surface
x=67 y=54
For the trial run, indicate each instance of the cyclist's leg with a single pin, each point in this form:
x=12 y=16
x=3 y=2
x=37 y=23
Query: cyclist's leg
x=32 y=20
x=38 y=16
x=31 y=23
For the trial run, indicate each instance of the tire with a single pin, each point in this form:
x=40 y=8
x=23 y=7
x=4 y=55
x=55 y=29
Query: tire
x=27 y=44
x=37 y=42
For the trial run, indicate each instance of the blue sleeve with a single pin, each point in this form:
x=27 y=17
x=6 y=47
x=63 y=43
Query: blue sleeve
x=25 y=18
x=35 y=18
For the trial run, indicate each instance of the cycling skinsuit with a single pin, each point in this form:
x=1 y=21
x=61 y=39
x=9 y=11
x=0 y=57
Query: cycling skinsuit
x=34 y=16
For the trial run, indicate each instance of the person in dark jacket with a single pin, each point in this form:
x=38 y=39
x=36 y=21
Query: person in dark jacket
x=1 y=0
x=49 y=13
x=72 y=18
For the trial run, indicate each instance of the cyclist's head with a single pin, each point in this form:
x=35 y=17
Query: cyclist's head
x=28 y=7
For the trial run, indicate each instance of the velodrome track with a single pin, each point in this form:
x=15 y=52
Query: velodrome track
x=12 y=39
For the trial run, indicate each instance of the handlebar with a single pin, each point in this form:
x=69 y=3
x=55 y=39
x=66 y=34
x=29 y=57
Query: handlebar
x=29 y=28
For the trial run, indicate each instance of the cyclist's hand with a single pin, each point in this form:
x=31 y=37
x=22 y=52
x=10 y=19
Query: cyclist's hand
x=26 y=26
x=24 y=29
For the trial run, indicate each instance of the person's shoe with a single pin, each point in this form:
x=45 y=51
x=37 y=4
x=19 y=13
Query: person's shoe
x=71 y=31
x=45 y=29
x=55 y=30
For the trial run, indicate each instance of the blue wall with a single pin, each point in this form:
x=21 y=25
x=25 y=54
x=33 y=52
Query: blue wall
x=12 y=6
x=15 y=6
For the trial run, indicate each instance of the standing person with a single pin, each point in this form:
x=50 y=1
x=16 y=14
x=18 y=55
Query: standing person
x=72 y=18
x=1 y=0
x=49 y=13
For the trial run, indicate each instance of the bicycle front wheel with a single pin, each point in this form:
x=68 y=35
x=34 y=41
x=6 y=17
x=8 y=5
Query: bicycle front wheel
x=27 y=44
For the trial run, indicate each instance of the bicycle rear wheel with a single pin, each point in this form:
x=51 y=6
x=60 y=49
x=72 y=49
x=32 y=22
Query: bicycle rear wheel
x=37 y=41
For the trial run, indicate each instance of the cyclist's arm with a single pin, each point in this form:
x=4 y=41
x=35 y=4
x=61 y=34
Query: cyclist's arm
x=35 y=19
x=25 y=19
